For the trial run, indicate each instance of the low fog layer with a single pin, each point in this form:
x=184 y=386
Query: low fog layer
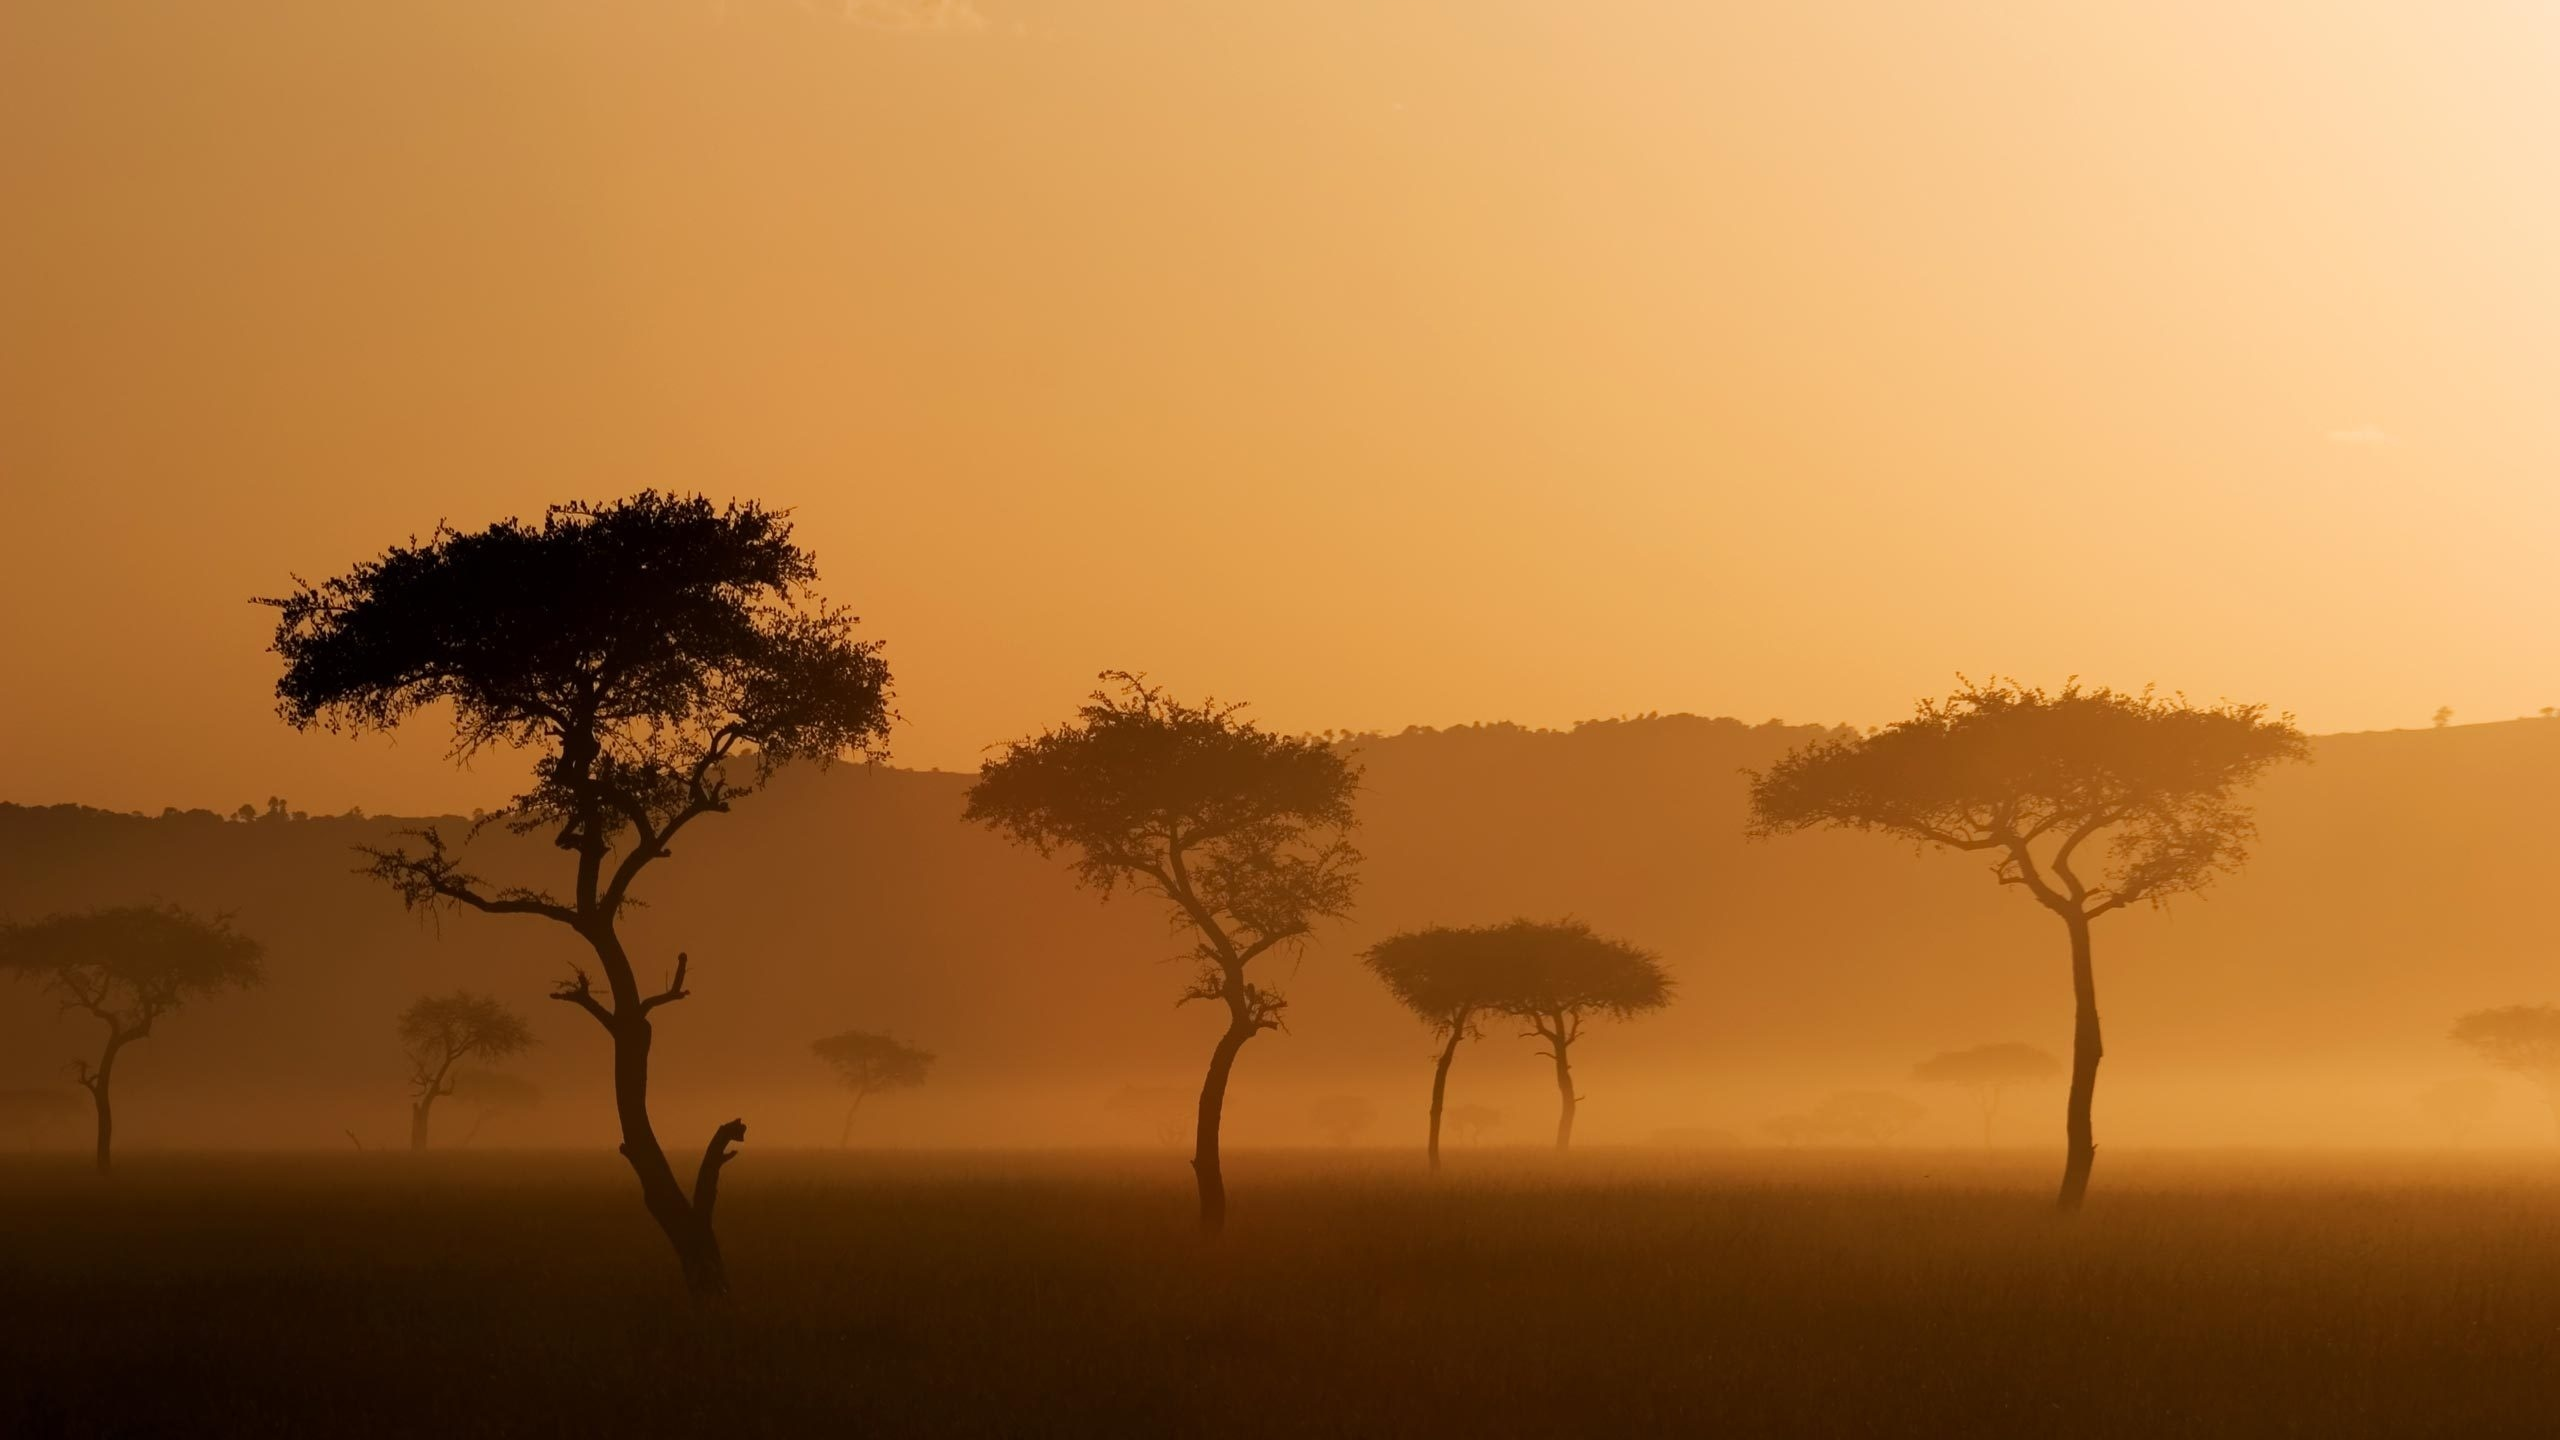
x=2305 y=1000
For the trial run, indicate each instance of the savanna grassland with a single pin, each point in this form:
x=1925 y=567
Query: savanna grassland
x=1627 y=1292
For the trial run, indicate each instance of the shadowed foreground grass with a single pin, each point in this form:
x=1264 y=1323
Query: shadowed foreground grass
x=498 y=1293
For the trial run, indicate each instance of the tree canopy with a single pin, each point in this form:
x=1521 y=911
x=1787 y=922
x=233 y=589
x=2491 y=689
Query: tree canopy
x=1243 y=831
x=439 y=1031
x=866 y=1063
x=665 y=653
x=2010 y=1063
x=130 y=964
x=2523 y=1039
x=2034 y=777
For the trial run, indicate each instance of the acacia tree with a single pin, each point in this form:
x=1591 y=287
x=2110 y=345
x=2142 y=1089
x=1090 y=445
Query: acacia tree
x=2519 y=1039
x=438 y=1032
x=1559 y=976
x=127 y=966
x=663 y=657
x=867 y=1064
x=1444 y=976
x=1242 y=833
x=1986 y=1071
x=2089 y=800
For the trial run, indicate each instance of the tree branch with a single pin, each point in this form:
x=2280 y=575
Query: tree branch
x=706 y=1182
x=675 y=988
x=578 y=990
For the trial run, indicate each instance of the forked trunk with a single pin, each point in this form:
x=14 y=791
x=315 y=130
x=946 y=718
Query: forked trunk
x=1213 y=1103
x=1440 y=1084
x=685 y=1220
x=2080 y=1153
x=1565 y=1098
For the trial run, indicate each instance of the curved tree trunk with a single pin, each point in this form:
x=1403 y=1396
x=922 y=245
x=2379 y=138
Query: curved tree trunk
x=418 y=1121
x=2080 y=1140
x=1440 y=1084
x=686 y=1224
x=1565 y=1097
x=1213 y=1102
x=99 y=1083
x=844 y=1139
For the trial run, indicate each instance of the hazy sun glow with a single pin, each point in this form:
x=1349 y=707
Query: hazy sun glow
x=1384 y=363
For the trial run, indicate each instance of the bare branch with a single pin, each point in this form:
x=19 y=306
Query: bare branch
x=578 y=990
x=675 y=988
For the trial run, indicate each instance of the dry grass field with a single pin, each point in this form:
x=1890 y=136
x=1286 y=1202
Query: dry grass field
x=1751 y=1293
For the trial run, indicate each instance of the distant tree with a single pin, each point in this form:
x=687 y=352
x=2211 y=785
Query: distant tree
x=2042 y=781
x=488 y=1095
x=1242 y=833
x=867 y=1064
x=2519 y=1039
x=1343 y=1118
x=1876 y=1116
x=2444 y=716
x=1986 y=1071
x=2459 y=1104
x=1468 y=1123
x=438 y=1032
x=127 y=966
x=1558 y=976
x=664 y=657
x=1165 y=1112
x=30 y=1116
x=1447 y=978
x=1791 y=1130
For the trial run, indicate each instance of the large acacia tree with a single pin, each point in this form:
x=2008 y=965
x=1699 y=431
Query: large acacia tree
x=1241 y=832
x=2089 y=800
x=128 y=967
x=1552 y=975
x=439 y=1032
x=661 y=656
x=1559 y=976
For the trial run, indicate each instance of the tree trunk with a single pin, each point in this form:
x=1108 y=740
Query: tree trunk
x=697 y=1249
x=1213 y=1103
x=1440 y=1084
x=844 y=1140
x=1564 y=1090
x=99 y=1083
x=418 y=1122
x=2080 y=1141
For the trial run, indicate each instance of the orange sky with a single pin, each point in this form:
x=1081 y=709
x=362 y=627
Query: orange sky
x=1381 y=362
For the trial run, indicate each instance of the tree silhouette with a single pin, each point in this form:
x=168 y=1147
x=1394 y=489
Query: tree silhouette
x=1240 y=832
x=663 y=657
x=1343 y=1118
x=2045 y=782
x=438 y=1032
x=1444 y=976
x=489 y=1094
x=2519 y=1039
x=127 y=966
x=1986 y=1071
x=2459 y=1104
x=1468 y=1123
x=867 y=1064
x=1559 y=976
x=1876 y=1116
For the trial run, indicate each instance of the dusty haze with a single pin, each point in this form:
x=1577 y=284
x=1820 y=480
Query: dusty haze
x=1519 y=361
